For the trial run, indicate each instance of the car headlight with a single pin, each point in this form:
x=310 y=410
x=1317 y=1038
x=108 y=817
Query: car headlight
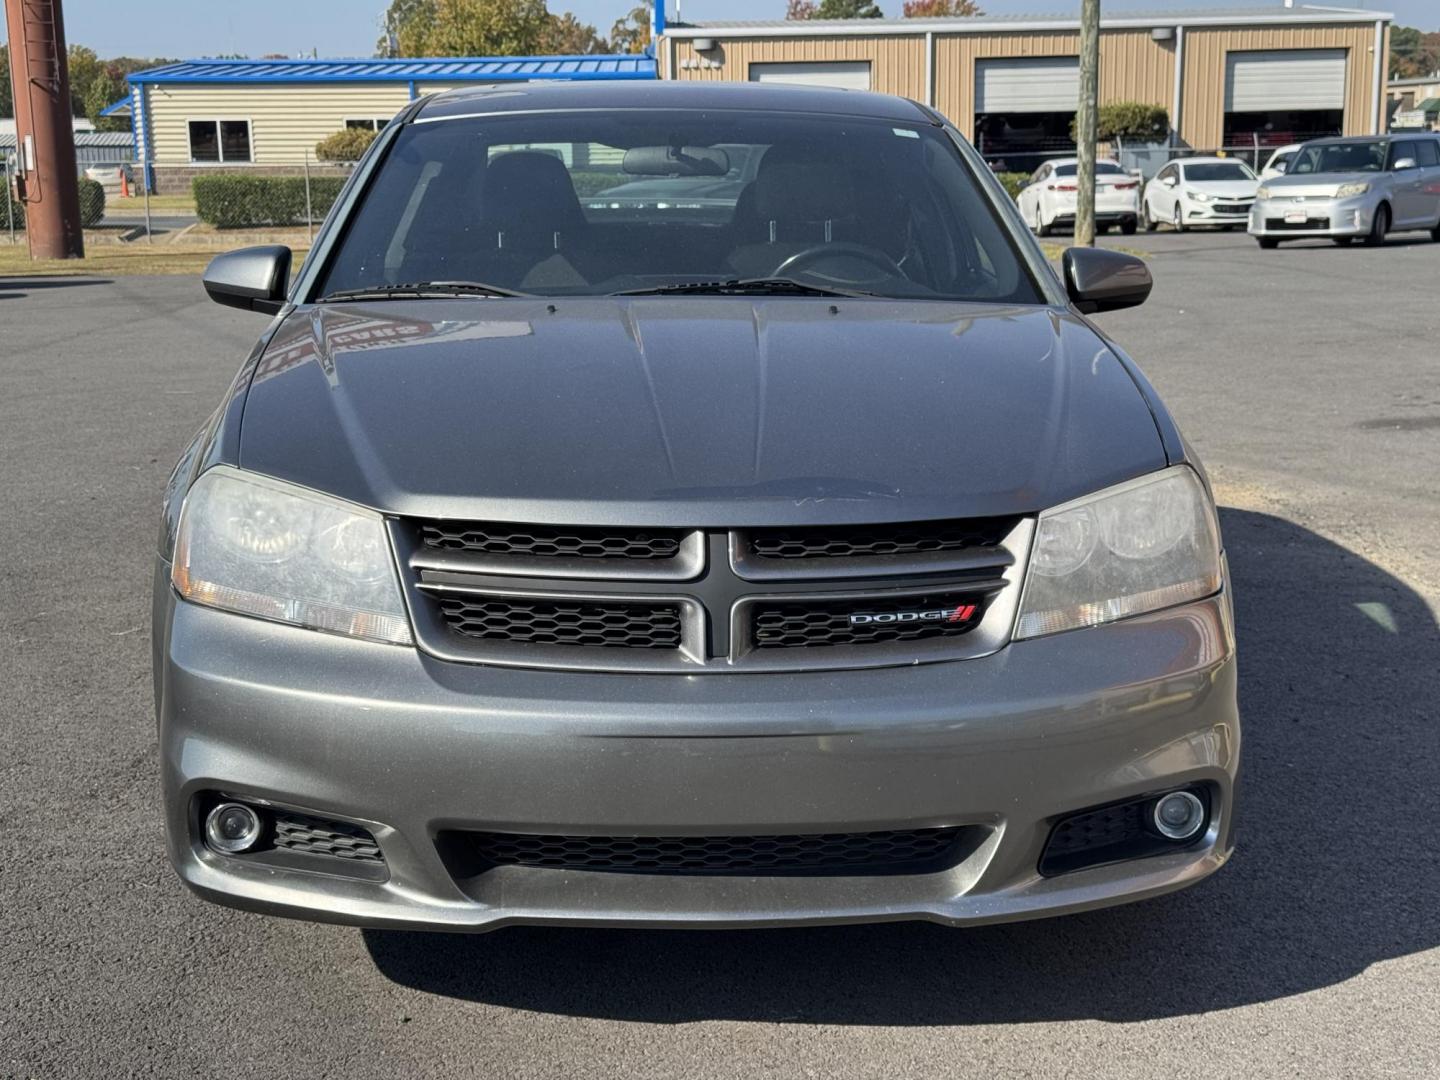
x=262 y=547
x=1359 y=187
x=1262 y=192
x=1198 y=196
x=1140 y=546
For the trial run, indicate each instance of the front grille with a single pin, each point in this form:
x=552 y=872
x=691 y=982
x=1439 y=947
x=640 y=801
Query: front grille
x=712 y=600
x=1279 y=224
x=316 y=836
x=1232 y=208
x=808 y=623
x=530 y=621
x=851 y=542
x=907 y=851
x=493 y=538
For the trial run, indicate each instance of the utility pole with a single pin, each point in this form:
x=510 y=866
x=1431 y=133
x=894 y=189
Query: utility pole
x=46 y=180
x=1085 y=122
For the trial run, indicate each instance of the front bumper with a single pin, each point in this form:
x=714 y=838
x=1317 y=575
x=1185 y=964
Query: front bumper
x=1209 y=214
x=1323 y=217
x=406 y=745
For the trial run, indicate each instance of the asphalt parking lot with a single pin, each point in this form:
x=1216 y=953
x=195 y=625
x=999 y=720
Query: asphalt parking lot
x=1309 y=380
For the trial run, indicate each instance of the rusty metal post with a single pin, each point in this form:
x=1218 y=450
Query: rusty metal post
x=44 y=136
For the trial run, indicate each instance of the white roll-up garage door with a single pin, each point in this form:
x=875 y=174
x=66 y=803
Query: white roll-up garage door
x=1288 y=79
x=844 y=74
x=1028 y=85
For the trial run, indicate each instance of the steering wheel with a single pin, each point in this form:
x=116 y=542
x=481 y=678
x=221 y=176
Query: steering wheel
x=802 y=260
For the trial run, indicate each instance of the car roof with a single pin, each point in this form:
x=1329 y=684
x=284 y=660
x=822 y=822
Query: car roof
x=599 y=94
x=1209 y=160
x=1076 y=161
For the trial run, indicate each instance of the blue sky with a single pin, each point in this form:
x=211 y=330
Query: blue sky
x=349 y=27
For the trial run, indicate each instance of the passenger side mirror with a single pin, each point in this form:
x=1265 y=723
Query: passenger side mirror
x=1101 y=280
x=1404 y=163
x=1169 y=181
x=252 y=279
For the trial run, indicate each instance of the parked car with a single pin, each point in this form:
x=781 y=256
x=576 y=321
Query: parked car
x=547 y=565
x=1208 y=191
x=1049 y=198
x=1279 y=160
x=1360 y=187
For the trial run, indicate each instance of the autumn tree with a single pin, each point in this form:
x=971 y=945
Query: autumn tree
x=941 y=9
x=632 y=33
x=566 y=35
x=1413 y=53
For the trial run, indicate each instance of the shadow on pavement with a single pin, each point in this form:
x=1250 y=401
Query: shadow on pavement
x=17 y=288
x=1336 y=866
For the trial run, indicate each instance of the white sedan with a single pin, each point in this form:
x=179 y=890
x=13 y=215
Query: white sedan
x=1200 y=191
x=1048 y=199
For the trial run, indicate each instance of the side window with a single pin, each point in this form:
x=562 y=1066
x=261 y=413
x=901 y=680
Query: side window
x=1168 y=172
x=1399 y=150
x=1427 y=153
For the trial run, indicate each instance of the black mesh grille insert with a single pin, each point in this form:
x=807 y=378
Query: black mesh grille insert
x=542 y=541
x=1109 y=834
x=599 y=623
x=315 y=836
x=877 y=540
x=792 y=624
x=897 y=852
x=1279 y=224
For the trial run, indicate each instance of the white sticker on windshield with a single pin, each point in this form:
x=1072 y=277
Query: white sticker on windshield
x=906 y=133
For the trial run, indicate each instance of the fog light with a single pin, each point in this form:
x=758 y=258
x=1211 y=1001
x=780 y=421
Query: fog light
x=1179 y=815
x=232 y=828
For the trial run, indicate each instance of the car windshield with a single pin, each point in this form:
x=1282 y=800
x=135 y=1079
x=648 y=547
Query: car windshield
x=594 y=203
x=1102 y=168
x=1218 y=170
x=1339 y=157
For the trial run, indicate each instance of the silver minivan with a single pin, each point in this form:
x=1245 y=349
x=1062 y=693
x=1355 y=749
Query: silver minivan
x=1359 y=187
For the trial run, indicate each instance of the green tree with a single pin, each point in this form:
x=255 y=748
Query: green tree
x=398 y=15
x=349 y=144
x=107 y=87
x=474 y=28
x=848 y=9
x=85 y=67
x=7 y=103
x=566 y=35
x=1132 y=120
x=941 y=9
x=632 y=33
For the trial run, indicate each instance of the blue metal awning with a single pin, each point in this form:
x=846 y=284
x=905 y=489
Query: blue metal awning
x=403 y=70
x=119 y=108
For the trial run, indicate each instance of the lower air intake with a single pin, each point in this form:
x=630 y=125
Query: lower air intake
x=908 y=851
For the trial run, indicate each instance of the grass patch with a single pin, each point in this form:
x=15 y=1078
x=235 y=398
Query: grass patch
x=113 y=260
x=159 y=204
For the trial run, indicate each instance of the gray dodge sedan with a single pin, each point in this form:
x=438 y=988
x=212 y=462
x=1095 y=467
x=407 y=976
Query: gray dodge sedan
x=554 y=561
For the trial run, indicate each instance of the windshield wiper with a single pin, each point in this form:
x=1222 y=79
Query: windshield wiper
x=743 y=287
x=419 y=290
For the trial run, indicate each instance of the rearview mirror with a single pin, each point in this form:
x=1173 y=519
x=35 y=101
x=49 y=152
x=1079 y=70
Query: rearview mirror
x=1101 y=280
x=675 y=161
x=1404 y=163
x=252 y=279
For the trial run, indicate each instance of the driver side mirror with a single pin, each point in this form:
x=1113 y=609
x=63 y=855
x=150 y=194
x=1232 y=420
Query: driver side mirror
x=1281 y=167
x=1101 y=280
x=1169 y=181
x=1404 y=163
x=252 y=279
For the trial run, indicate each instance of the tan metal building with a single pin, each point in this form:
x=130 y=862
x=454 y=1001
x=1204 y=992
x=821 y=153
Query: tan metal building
x=1227 y=78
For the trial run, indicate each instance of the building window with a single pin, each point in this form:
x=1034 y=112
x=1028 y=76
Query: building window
x=219 y=140
x=366 y=123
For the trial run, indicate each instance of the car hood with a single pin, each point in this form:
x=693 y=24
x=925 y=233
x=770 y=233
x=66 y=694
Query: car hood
x=698 y=411
x=1225 y=189
x=1323 y=184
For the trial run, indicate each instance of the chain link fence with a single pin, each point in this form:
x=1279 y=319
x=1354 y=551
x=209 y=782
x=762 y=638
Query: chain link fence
x=251 y=198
